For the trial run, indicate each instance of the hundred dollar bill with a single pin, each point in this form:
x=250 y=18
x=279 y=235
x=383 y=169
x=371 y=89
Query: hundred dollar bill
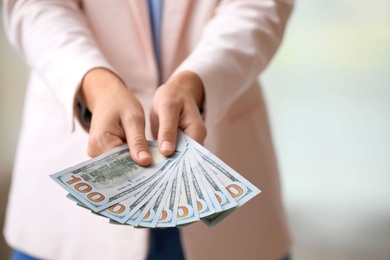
x=137 y=205
x=143 y=207
x=211 y=193
x=237 y=186
x=155 y=212
x=121 y=212
x=169 y=211
x=213 y=219
x=147 y=214
x=78 y=203
x=173 y=191
x=203 y=202
x=113 y=176
x=187 y=210
x=224 y=198
x=124 y=210
x=150 y=212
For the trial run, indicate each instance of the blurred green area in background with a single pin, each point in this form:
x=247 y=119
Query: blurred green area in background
x=328 y=91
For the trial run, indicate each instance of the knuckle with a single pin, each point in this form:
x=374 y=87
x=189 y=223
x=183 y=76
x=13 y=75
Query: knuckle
x=201 y=130
x=133 y=116
x=168 y=131
x=138 y=141
x=91 y=153
x=102 y=142
x=92 y=149
x=170 y=104
x=197 y=131
x=93 y=143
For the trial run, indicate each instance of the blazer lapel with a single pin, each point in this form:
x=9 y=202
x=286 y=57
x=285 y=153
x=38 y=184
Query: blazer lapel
x=174 y=15
x=140 y=14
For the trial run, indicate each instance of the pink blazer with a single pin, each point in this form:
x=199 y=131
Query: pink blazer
x=227 y=43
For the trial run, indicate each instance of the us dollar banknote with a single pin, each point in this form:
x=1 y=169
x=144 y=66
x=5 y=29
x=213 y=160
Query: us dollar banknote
x=190 y=185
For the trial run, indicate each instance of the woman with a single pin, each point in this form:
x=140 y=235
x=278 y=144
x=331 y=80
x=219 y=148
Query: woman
x=108 y=59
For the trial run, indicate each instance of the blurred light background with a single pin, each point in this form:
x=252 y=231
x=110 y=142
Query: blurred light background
x=328 y=92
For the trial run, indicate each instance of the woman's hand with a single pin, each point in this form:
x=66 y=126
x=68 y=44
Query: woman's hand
x=176 y=105
x=118 y=116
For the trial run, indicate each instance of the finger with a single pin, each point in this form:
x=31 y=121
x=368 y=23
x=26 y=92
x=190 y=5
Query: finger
x=154 y=123
x=134 y=126
x=104 y=142
x=168 y=119
x=196 y=131
x=193 y=125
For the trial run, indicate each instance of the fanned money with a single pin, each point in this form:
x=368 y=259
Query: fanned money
x=190 y=185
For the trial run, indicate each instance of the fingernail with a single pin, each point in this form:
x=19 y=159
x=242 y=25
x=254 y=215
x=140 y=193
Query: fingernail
x=166 y=145
x=143 y=155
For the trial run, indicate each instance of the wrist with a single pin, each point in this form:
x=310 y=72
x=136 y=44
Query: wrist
x=98 y=83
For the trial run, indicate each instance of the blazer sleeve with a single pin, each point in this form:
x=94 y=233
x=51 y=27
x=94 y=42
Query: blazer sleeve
x=54 y=39
x=236 y=45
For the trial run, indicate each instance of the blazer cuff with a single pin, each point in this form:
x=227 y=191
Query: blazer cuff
x=71 y=99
